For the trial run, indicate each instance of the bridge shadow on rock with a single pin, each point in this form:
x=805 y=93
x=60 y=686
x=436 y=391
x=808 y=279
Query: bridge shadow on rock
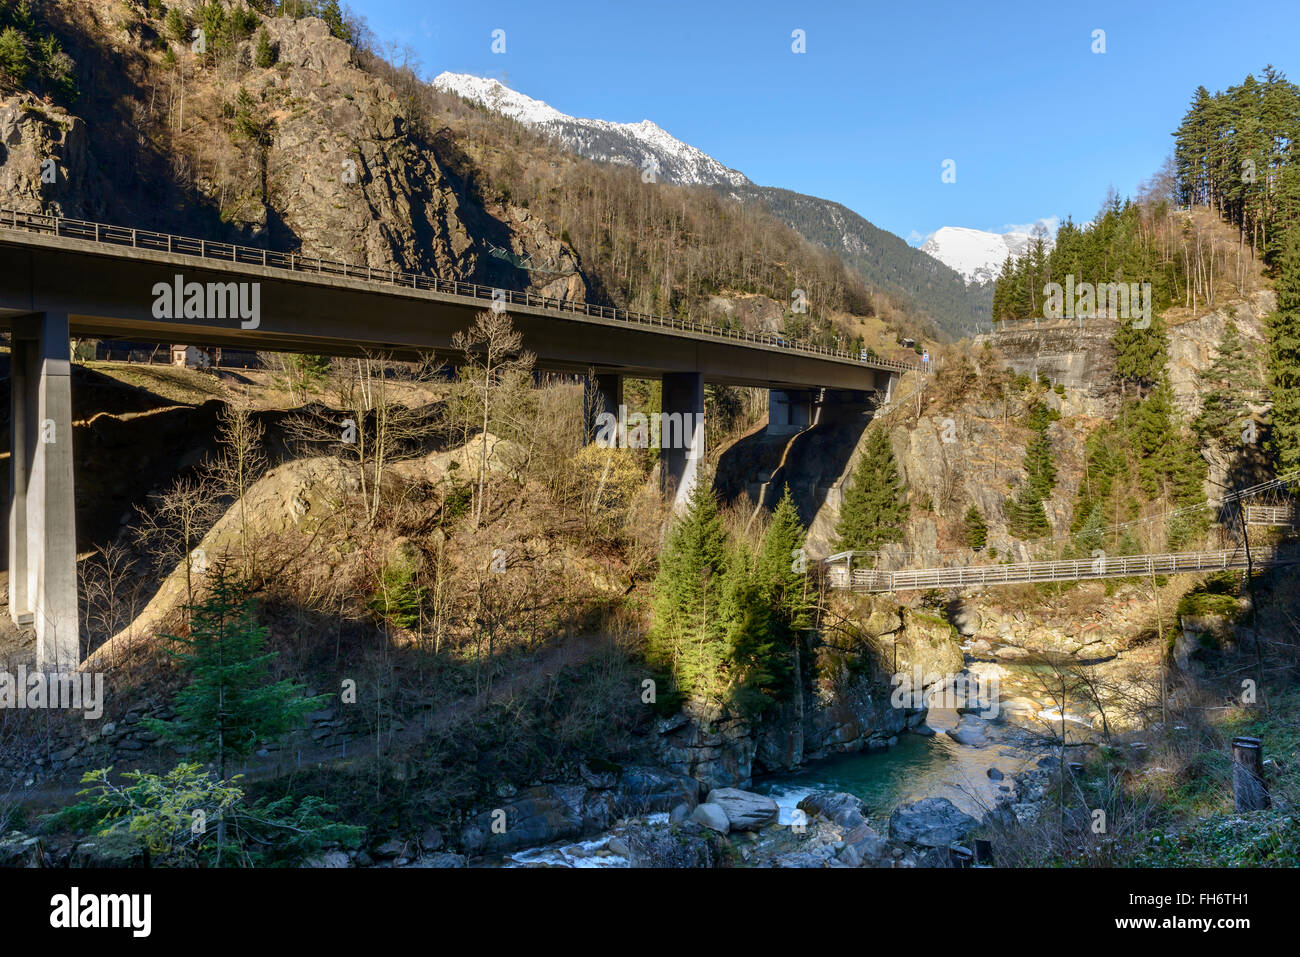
x=497 y=263
x=485 y=229
x=812 y=462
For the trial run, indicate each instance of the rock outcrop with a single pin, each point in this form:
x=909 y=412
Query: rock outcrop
x=347 y=171
x=675 y=845
x=932 y=822
x=43 y=157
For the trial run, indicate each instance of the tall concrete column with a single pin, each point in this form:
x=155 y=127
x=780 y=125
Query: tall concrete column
x=788 y=411
x=603 y=393
x=681 y=434
x=19 y=458
x=42 y=524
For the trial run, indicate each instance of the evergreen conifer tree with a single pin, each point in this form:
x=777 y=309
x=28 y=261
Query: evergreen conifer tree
x=1284 y=357
x=1223 y=383
x=975 y=530
x=265 y=56
x=689 y=637
x=874 y=509
x=230 y=703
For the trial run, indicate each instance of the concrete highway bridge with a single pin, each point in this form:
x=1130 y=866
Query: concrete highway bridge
x=62 y=278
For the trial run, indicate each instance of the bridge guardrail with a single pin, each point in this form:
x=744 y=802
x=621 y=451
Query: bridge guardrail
x=1119 y=566
x=44 y=223
x=1273 y=515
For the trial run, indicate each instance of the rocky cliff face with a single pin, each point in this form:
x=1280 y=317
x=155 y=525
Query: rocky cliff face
x=343 y=173
x=43 y=157
x=1194 y=345
x=1076 y=354
x=846 y=703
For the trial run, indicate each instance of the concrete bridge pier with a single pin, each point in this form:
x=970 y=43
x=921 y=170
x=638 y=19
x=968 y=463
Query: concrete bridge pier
x=681 y=434
x=789 y=411
x=603 y=393
x=42 y=506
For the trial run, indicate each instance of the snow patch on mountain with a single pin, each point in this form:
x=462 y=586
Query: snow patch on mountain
x=643 y=145
x=977 y=254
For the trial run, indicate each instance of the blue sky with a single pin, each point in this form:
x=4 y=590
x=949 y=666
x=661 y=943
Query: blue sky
x=1037 y=124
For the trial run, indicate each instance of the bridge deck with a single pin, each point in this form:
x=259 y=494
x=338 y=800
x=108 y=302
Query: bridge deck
x=102 y=275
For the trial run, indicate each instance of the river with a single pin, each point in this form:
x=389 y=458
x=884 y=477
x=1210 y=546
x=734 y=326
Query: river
x=927 y=764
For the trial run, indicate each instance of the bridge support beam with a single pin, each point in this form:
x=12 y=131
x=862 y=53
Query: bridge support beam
x=42 y=526
x=603 y=394
x=789 y=411
x=681 y=434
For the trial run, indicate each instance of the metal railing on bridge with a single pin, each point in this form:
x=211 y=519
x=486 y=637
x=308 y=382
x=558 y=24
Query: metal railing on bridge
x=844 y=575
x=1284 y=515
x=46 y=224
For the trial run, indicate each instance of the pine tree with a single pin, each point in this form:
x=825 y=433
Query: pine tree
x=688 y=640
x=14 y=59
x=1225 y=407
x=1090 y=536
x=781 y=584
x=758 y=662
x=974 y=528
x=1026 y=515
x=230 y=703
x=265 y=56
x=874 y=509
x=1038 y=451
x=1284 y=358
x=781 y=578
x=175 y=25
x=1140 y=353
x=332 y=14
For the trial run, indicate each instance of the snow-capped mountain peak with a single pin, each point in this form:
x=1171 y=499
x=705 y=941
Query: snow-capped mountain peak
x=643 y=145
x=976 y=254
x=499 y=98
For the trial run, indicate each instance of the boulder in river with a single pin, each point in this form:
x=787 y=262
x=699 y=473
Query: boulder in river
x=441 y=859
x=970 y=731
x=869 y=846
x=711 y=816
x=643 y=790
x=966 y=619
x=932 y=822
x=844 y=809
x=537 y=815
x=745 y=810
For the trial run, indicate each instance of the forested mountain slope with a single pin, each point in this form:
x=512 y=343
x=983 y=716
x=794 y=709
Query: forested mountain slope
x=917 y=284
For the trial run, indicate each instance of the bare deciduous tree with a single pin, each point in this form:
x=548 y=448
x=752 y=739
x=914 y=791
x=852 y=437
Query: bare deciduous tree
x=174 y=523
x=110 y=589
x=495 y=370
x=240 y=463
